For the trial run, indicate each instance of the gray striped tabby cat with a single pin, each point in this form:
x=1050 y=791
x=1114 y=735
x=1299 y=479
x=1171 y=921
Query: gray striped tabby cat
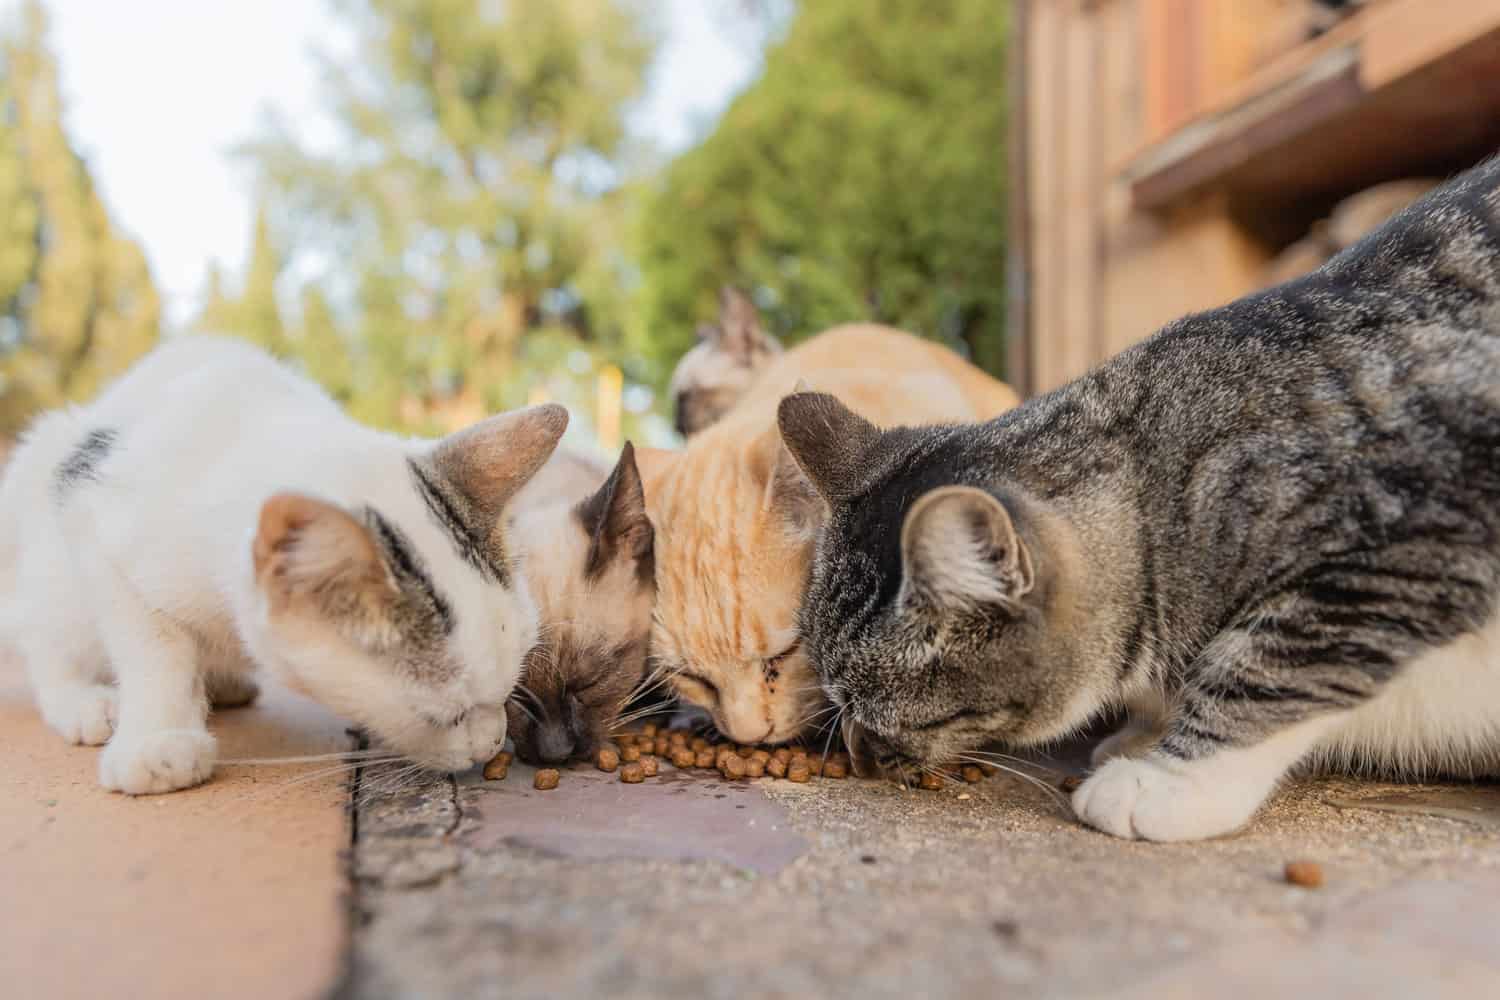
x=1270 y=531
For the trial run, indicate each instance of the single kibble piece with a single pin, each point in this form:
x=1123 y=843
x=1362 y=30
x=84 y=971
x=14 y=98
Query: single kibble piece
x=648 y=766
x=633 y=773
x=630 y=754
x=683 y=757
x=546 y=779
x=608 y=759
x=782 y=754
x=835 y=769
x=972 y=774
x=841 y=757
x=930 y=781
x=815 y=764
x=699 y=744
x=755 y=768
x=663 y=746
x=797 y=770
x=649 y=729
x=990 y=770
x=1307 y=874
x=678 y=737
x=1070 y=784
x=705 y=758
x=733 y=767
x=745 y=751
x=498 y=766
x=761 y=756
x=720 y=753
x=776 y=767
x=623 y=740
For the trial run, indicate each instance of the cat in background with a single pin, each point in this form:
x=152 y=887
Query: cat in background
x=213 y=512
x=1271 y=532
x=735 y=523
x=711 y=378
x=588 y=549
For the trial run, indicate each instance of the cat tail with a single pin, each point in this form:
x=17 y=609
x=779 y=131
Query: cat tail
x=26 y=487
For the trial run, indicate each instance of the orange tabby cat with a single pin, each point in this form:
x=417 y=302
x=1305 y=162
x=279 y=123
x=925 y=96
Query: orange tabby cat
x=736 y=521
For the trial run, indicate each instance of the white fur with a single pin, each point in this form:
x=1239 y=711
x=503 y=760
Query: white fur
x=146 y=575
x=1441 y=715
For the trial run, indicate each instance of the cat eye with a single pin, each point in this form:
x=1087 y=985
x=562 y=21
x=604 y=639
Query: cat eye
x=448 y=722
x=961 y=715
x=776 y=661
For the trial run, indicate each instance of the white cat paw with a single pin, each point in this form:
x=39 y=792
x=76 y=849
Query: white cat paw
x=1161 y=798
x=83 y=713
x=158 y=762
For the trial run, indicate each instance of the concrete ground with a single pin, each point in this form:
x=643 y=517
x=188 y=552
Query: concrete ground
x=688 y=887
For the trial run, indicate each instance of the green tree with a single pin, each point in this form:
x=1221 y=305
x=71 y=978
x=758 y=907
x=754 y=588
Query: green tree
x=77 y=303
x=457 y=215
x=254 y=313
x=861 y=177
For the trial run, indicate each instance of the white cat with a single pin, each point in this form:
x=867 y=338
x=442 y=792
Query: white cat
x=211 y=512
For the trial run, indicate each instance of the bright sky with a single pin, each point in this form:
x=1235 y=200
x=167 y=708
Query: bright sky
x=160 y=91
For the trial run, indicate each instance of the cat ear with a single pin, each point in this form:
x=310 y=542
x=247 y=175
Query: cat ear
x=959 y=548
x=615 y=518
x=489 y=462
x=740 y=332
x=787 y=490
x=828 y=440
x=311 y=552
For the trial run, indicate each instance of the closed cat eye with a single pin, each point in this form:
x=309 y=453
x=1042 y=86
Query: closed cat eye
x=958 y=716
x=779 y=657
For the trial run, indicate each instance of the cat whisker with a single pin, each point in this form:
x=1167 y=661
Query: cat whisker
x=1051 y=792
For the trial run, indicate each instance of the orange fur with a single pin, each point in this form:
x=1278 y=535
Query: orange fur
x=735 y=523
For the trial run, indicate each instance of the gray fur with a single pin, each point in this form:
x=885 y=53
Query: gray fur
x=1265 y=512
x=82 y=463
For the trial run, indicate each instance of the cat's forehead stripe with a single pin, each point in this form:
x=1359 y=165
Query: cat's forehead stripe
x=447 y=509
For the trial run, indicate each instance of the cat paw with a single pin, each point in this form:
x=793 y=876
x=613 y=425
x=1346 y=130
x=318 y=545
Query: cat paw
x=231 y=690
x=81 y=714
x=158 y=762
x=1163 y=799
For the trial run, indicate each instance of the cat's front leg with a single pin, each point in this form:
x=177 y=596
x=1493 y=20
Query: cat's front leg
x=162 y=741
x=1164 y=797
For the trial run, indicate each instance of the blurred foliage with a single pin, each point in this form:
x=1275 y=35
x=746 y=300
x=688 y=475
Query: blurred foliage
x=466 y=209
x=77 y=303
x=862 y=177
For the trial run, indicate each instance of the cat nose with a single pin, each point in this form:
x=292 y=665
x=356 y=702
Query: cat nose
x=554 y=744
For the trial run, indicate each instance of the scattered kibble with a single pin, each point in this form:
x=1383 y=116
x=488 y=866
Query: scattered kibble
x=733 y=767
x=761 y=756
x=607 y=759
x=630 y=755
x=633 y=773
x=930 y=781
x=649 y=730
x=699 y=744
x=683 y=757
x=755 y=768
x=972 y=774
x=815 y=764
x=705 y=757
x=1071 y=783
x=498 y=767
x=782 y=754
x=797 y=770
x=1307 y=874
x=835 y=769
x=546 y=779
x=663 y=745
x=776 y=767
x=648 y=766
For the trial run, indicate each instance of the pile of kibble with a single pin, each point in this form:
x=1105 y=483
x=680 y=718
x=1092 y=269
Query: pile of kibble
x=636 y=756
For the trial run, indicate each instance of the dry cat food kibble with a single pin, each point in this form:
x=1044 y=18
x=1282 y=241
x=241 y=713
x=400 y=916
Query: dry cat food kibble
x=733 y=767
x=683 y=757
x=498 y=767
x=972 y=774
x=699 y=744
x=630 y=754
x=815 y=764
x=705 y=758
x=546 y=779
x=755 y=768
x=782 y=754
x=1070 y=784
x=1307 y=874
x=649 y=730
x=648 y=766
x=633 y=773
x=930 y=781
x=797 y=770
x=835 y=769
x=776 y=767
x=607 y=760
x=663 y=746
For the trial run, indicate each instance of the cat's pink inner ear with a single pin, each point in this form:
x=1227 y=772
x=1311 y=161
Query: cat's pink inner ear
x=303 y=545
x=490 y=462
